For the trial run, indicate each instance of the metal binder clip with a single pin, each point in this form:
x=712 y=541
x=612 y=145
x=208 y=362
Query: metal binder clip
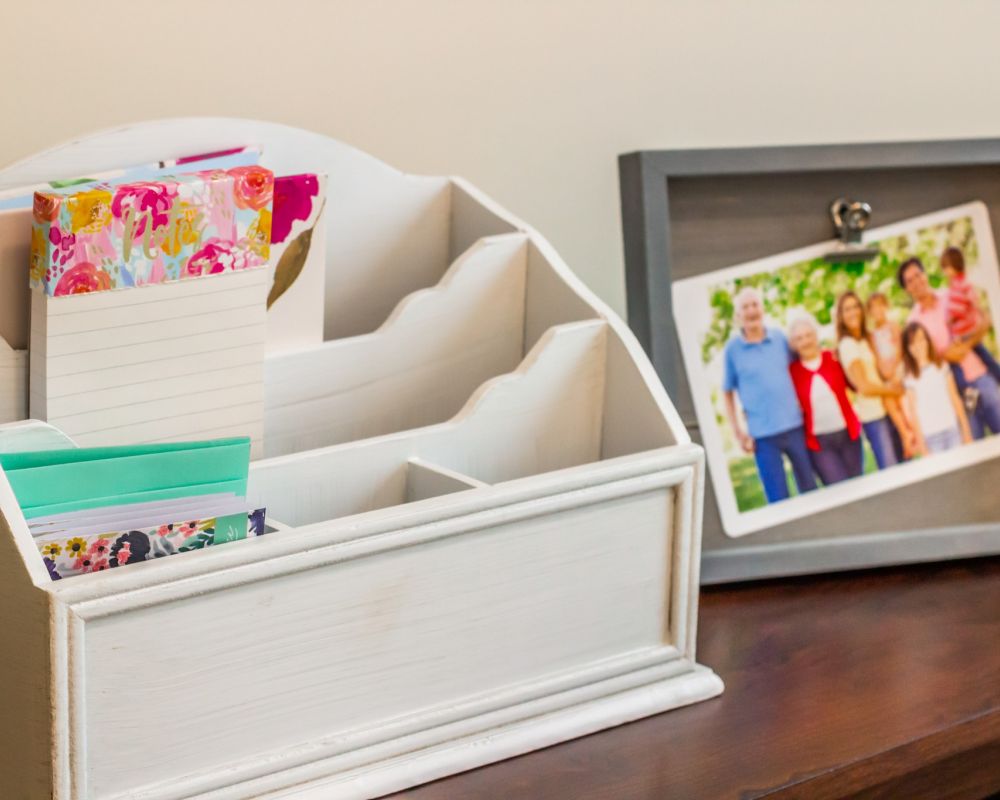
x=850 y=218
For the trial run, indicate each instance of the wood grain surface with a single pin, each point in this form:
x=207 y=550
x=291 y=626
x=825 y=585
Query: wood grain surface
x=883 y=684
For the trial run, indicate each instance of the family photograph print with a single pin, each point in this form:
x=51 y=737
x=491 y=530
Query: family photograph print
x=818 y=382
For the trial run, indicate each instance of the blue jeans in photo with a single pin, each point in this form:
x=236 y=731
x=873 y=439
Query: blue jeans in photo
x=769 y=452
x=839 y=457
x=878 y=432
x=943 y=440
x=989 y=362
x=897 y=445
x=986 y=414
x=984 y=355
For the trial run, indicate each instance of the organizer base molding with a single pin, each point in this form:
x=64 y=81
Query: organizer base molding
x=496 y=741
x=349 y=667
x=490 y=520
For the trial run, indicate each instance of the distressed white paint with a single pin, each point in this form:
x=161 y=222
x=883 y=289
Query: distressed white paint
x=511 y=566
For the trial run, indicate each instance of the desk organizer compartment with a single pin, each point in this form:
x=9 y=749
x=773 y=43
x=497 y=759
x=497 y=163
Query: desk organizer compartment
x=424 y=224
x=425 y=361
x=489 y=519
x=419 y=367
x=545 y=416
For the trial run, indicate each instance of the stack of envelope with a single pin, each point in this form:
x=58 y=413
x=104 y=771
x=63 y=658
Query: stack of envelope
x=92 y=509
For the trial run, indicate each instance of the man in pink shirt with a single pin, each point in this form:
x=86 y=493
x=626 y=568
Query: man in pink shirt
x=930 y=309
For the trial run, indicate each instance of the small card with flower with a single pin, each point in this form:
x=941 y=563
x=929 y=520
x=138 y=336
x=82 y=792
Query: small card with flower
x=297 y=297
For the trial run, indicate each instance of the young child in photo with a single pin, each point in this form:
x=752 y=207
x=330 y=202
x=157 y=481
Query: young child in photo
x=933 y=405
x=887 y=344
x=886 y=337
x=965 y=317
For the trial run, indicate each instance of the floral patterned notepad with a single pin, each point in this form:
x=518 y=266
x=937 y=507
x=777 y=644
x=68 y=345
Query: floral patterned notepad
x=66 y=556
x=122 y=236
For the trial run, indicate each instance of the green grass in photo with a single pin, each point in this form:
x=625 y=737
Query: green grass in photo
x=749 y=490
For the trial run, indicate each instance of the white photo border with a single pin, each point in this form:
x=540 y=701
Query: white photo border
x=688 y=297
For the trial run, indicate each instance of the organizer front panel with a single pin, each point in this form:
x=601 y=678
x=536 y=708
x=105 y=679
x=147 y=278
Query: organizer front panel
x=332 y=657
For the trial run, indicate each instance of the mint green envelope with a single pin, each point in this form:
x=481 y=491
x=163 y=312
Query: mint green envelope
x=57 y=481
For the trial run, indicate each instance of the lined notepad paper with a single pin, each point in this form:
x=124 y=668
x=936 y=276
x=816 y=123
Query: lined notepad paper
x=169 y=362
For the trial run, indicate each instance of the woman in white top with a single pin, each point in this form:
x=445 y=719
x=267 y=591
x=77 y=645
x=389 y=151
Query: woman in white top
x=935 y=410
x=876 y=401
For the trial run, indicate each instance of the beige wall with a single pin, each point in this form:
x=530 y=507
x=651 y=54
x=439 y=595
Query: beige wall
x=530 y=99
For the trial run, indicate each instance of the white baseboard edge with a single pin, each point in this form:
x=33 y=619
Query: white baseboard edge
x=505 y=741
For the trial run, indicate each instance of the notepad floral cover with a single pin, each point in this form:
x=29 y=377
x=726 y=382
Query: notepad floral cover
x=78 y=555
x=147 y=232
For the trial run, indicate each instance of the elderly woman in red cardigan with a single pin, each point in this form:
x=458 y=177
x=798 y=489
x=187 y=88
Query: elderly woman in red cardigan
x=833 y=431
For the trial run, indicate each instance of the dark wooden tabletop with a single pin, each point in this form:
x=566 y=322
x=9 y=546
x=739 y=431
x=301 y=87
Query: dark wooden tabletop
x=882 y=684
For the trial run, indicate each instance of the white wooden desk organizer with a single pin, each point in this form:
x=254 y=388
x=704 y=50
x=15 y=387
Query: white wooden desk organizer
x=495 y=518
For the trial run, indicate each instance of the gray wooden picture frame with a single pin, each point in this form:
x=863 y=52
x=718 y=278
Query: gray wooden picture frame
x=688 y=212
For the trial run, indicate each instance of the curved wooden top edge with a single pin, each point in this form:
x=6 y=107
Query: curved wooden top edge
x=170 y=138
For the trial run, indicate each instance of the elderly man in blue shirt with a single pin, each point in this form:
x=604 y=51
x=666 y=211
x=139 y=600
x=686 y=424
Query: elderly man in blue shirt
x=756 y=369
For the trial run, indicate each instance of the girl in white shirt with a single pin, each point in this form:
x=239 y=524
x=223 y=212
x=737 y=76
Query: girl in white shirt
x=933 y=406
x=877 y=401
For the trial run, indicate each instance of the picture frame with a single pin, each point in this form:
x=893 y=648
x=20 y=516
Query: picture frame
x=686 y=213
